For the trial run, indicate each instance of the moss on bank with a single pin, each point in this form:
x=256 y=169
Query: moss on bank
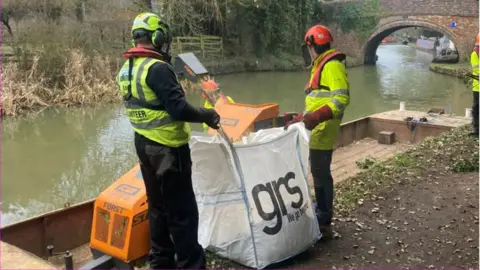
x=454 y=70
x=454 y=151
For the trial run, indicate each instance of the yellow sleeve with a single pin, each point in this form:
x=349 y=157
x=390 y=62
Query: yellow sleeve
x=231 y=100
x=475 y=68
x=207 y=105
x=335 y=77
x=474 y=61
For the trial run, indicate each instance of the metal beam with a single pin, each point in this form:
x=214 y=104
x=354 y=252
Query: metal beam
x=103 y=262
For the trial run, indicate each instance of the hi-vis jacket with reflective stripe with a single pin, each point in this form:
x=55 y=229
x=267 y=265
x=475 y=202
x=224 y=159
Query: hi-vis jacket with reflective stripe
x=144 y=110
x=474 y=63
x=333 y=91
x=207 y=105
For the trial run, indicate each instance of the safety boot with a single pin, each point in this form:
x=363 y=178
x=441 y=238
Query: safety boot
x=474 y=132
x=327 y=232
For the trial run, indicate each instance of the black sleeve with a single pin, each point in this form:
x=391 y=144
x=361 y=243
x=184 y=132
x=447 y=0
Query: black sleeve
x=162 y=80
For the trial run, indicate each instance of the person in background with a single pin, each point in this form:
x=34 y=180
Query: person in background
x=213 y=90
x=474 y=64
x=327 y=97
x=159 y=113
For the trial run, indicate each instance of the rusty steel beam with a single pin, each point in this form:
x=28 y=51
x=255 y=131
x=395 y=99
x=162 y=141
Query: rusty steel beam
x=65 y=229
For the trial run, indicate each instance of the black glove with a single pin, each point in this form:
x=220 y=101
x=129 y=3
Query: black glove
x=210 y=117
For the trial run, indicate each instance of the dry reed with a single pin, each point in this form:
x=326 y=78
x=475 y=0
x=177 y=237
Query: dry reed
x=190 y=87
x=87 y=80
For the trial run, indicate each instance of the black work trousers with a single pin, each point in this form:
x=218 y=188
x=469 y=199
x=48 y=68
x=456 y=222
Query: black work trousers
x=475 y=113
x=320 y=161
x=173 y=211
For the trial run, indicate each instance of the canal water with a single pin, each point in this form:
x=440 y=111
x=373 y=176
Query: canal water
x=69 y=156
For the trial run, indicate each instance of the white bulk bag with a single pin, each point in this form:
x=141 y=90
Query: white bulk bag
x=256 y=210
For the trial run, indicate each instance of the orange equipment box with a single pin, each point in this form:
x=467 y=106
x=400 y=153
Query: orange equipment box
x=120 y=226
x=238 y=120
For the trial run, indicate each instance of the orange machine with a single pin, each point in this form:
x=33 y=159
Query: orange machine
x=120 y=226
x=238 y=120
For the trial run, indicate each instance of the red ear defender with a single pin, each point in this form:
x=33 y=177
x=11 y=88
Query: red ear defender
x=309 y=40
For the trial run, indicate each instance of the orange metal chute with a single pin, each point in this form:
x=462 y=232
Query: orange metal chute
x=238 y=119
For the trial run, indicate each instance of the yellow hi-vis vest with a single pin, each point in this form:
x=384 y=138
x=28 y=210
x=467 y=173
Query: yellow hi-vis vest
x=332 y=89
x=143 y=108
x=474 y=63
x=207 y=105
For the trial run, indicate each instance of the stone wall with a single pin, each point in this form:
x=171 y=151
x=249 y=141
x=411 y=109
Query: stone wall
x=461 y=8
x=463 y=36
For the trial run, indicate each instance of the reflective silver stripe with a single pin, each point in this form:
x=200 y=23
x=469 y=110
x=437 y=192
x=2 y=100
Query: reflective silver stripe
x=134 y=103
x=345 y=92
x=141 y=94
x=338 y=104
x=153 y=124
x=320 y=94
x=475 y=66
x=329 y=94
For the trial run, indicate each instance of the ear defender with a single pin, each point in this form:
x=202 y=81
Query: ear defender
x=310 y=40
x=159 y=37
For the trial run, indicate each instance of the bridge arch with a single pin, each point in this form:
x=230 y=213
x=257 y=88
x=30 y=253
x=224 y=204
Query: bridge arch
x=370 y=48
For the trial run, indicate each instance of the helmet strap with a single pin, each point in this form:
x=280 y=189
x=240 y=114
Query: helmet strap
x=319 y=49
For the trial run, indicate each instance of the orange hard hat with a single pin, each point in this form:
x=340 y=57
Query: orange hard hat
x=209 y=86
x=477 y=40
x=319 y=35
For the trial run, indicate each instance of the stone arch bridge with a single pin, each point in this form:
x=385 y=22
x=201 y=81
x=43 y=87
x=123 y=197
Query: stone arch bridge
x=393 y=15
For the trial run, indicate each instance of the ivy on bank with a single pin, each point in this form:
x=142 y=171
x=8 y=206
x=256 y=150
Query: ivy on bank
x=248 y=27
x=266 y=27
x=361 y=17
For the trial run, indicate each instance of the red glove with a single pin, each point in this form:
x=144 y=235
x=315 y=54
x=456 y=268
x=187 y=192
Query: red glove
x=294 y=120
x=311 y=120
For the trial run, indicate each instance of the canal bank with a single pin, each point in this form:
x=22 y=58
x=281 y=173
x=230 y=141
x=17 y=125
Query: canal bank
x=74 y=154
x=398 y=201
x=415 y=209
x=454 y=70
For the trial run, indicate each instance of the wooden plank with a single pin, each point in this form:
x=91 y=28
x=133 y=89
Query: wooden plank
x=15 y=258
x=189 y=38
